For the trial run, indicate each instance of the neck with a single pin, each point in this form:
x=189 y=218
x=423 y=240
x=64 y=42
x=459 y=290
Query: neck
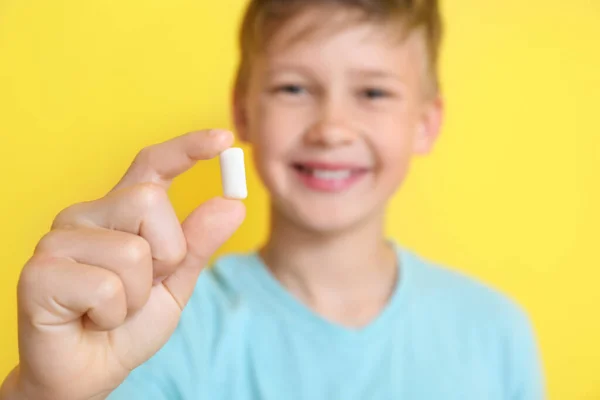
x=336 y=272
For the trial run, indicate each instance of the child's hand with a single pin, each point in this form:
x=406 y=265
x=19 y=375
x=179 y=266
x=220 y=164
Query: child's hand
x=105 y=288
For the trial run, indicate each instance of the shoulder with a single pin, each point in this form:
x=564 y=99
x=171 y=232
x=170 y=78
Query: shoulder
x=446 y=291
x=476 y=316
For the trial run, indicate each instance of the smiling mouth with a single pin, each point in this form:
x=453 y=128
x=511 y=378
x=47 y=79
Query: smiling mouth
x=329 y=172
x=329 y=177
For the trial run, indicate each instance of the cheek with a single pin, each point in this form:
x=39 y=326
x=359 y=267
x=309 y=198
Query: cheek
x=392 y=142
x=395 y=156
x=394 y=137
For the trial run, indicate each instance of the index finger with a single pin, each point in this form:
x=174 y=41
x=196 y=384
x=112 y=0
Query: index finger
x=162 y=162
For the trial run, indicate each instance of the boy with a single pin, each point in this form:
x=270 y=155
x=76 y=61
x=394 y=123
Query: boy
x=335 y=97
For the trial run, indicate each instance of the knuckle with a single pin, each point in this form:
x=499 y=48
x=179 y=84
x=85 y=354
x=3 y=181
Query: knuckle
x=48 y=243
x=175 y=253
x=144 y=156
x=69 y=217
x=33 y=279
x=108 y=288
x=64 y=217
x=29 y=274
x=137 y=250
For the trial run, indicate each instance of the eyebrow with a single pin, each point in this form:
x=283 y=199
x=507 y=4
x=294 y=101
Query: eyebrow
x=376 y=73
x=284 y=68
x=360 y=72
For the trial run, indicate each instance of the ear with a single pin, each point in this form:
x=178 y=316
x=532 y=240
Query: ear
x=429 y=126
x=240 y=118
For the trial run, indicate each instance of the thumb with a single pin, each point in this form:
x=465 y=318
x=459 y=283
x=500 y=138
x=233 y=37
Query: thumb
x=205 y=230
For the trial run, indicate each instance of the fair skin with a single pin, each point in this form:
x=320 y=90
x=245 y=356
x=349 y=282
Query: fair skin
x=354 y=99
x=105 y=288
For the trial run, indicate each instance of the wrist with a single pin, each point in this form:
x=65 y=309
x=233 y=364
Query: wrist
x=10 y=388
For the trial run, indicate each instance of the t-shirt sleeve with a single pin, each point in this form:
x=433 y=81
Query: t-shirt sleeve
x=526 y=378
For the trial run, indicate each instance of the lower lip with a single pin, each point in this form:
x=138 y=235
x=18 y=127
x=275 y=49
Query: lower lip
x=329 y=185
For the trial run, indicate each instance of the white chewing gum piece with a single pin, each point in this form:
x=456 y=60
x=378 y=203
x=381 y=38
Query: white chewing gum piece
x=233 y=174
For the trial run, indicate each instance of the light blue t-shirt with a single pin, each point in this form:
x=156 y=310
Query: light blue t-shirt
x=442 y=336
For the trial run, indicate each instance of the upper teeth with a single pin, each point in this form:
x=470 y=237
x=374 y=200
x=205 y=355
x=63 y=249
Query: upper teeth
x=333 y=175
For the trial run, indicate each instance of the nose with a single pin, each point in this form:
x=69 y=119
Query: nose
x=333 y=127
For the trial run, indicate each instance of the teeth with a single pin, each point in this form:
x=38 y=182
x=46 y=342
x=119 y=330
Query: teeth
x=331 y=175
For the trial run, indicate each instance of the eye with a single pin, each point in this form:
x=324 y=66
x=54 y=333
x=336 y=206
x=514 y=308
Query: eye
x=375 y=93
x=290 y=89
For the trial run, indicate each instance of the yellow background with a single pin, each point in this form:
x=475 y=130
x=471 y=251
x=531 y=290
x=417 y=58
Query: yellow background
x=510 y=195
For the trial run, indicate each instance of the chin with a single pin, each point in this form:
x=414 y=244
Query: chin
x=325 y=220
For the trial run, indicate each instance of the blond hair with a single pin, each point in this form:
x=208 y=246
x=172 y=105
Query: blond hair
x=264 y=17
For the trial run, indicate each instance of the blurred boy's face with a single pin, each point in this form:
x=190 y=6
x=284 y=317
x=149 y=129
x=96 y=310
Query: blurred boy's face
x=334 y=120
